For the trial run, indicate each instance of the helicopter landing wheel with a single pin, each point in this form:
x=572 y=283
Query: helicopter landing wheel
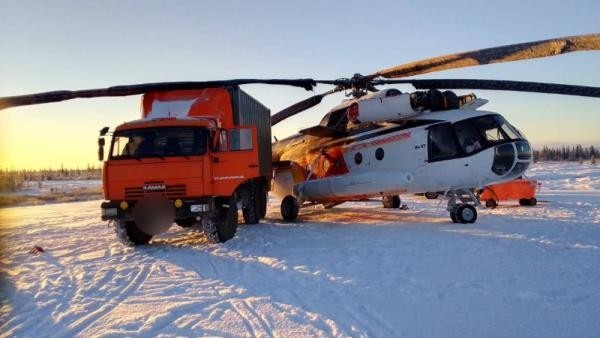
x=453 y=217
x=465 y=213
x=289 y=208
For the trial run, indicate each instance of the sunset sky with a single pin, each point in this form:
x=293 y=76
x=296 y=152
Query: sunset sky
x=51 y=45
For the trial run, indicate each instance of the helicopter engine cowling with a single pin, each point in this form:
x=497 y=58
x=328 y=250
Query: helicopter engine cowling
x=384 y=108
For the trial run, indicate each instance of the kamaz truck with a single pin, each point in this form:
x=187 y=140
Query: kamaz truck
x=194 y=158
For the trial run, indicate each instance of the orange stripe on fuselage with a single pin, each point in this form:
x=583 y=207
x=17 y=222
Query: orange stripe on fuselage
x=386 y=140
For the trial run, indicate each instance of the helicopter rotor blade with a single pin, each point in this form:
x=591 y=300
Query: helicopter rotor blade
x=300 y=106
x=514 y=52
x=136 y=89
x=519 y=86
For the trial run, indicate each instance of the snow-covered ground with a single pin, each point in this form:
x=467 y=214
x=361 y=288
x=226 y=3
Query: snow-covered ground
x=36 y=188
x=354 y=270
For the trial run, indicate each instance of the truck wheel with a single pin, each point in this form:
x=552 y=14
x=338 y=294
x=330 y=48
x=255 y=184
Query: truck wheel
x=227 y=220
x=264 y=200
x=391 y=202
x=129 y=234
x=289 y=208
x=251 y=207
x=186 y=222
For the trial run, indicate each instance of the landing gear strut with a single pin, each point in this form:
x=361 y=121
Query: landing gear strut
x=461 y=206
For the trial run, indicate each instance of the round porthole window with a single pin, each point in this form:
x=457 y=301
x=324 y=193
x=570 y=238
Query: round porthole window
x=379 y=154
x=358 y=158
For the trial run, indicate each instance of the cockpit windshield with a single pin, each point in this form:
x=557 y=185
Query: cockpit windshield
x=484 y=131
x=159 y=142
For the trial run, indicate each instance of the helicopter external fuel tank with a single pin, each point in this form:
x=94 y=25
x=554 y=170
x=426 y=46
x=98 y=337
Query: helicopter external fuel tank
x=347 y=186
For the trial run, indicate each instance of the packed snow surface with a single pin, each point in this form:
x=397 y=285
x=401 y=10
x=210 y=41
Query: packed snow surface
x=354 y=270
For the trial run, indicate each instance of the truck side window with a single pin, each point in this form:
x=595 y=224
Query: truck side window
x=442 y=144
x=241 y=139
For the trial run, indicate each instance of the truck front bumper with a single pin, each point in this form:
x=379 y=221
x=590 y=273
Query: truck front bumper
x=189 y=208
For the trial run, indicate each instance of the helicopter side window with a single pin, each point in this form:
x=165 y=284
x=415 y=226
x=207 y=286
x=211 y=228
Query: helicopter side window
x=442 y=144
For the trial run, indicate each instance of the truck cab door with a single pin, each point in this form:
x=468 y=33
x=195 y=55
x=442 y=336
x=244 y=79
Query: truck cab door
x=234 y=159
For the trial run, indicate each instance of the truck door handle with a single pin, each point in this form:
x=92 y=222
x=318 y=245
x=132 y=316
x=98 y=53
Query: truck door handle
x=253 y=165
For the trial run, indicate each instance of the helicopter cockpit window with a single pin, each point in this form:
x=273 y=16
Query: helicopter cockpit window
x=442 y=144
x=490 y=129
x=510 y=131
x=469 y=138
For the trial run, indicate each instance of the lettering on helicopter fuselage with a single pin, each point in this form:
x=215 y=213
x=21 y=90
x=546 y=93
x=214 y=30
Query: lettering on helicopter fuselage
x=390 y=139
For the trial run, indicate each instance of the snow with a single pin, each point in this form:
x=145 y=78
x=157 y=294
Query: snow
x=354 y=270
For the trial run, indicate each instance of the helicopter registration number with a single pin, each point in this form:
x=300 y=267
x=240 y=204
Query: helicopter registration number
x=389 y=139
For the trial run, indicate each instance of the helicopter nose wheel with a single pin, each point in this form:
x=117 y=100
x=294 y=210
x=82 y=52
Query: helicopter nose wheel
x=465 y=211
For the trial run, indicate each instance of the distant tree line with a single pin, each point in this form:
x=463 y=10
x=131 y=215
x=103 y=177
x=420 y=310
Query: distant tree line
x=566 y=153
x=13 y=180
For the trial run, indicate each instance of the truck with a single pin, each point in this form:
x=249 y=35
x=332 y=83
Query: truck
x=194 y=159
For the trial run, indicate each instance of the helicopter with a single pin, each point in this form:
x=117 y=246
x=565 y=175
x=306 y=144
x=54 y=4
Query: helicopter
x=386 y=142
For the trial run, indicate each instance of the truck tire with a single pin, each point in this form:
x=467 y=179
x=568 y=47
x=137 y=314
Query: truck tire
x=263 y=201
x=186 y=222
x=129 y=234
x=251 y=208
x=227 y=217
x=391 y=202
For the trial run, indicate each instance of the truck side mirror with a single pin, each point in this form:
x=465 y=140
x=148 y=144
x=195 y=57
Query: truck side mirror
x=101 y=149
x=103 y=131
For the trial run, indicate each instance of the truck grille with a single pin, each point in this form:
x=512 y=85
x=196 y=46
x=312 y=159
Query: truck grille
x=177 y=190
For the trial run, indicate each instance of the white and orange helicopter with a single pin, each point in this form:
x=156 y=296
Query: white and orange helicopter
x=385 y=142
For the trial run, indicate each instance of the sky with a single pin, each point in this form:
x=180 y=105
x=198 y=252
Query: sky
x=51 y=45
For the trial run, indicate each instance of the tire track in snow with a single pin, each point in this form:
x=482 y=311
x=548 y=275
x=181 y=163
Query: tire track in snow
x=260 y=327
x=85 y=322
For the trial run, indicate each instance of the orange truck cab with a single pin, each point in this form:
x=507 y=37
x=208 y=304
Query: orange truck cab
x=193 y=159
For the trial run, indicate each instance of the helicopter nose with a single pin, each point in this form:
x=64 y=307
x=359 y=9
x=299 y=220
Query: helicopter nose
x=512 y=159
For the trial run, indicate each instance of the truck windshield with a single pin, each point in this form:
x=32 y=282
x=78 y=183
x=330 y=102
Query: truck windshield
x=159 y=142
